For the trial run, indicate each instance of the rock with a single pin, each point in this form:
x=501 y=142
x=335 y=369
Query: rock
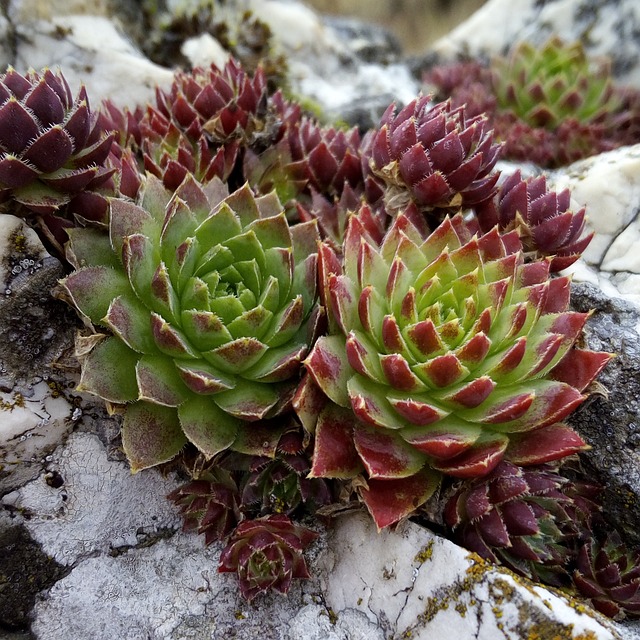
x=605 y=28
x=91 y=50
x=414 y=584
x=24 y=571
x=36 y=409
x=609 y=186
x=610 y=422
x=96 y=506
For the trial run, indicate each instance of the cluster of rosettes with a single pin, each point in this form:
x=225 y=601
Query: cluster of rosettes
x=550 y=104
x=308 y=311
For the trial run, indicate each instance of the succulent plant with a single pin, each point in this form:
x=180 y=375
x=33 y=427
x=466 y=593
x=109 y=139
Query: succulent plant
x=529 y=519
x=446 y=352
x=544 y=222
x=307 y=160
x=279 y=484
x=333 y=215
x=209 y=504
x=51 y=144
x=434 y=157
x=545 y=85
x=466 y=84
x=609 y=575
x=52 y=148
x=211 y=301
x=225 y=103
x=266 y=553
x=550 y=105
x=171 y=155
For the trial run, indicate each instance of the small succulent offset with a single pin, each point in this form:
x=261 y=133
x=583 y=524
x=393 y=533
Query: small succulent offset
x=267 y=554
x=52 y=146
x=609 y=575
x=209 y=504
x=544 y=222
x=530 y=519
x=212 y=307
x=433 y=156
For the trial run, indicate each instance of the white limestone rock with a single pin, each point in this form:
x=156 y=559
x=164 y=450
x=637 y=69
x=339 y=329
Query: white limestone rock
x=609 y=186
x=416 y=585
x=609 y=27
x=91 y=50
x=100 y=506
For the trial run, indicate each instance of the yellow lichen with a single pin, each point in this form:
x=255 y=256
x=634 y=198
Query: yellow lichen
x=426 y=553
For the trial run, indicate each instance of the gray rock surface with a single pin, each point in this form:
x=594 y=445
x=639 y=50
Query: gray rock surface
x=610 y=421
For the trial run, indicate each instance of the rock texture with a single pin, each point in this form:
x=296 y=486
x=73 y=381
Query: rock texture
x=610 y=421
x=129 y=573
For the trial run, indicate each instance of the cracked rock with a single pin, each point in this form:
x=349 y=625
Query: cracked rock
x=413 y=584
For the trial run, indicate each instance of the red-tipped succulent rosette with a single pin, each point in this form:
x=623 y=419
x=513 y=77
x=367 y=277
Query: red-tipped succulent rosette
x=267 y=553
x=608 y=573
x=434 y=156
x=529 y=519
x=543 y=219
x=446 y=352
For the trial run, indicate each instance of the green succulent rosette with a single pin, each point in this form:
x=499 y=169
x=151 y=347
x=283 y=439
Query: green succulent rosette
x=546 y=85
x=446 y=352
x=210 y=301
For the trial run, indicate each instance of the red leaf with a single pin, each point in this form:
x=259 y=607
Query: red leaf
x=334 y=454
x=544 y=445
x=389 y=501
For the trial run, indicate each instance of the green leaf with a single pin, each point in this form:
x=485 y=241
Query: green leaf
x=151 y=435
x=272 y=232
x=205 y=425
x=109 y=371
x=249 y=400
x=129 y=219
x=90 y=247
x=219 y=227
x=159 y=381
x=130 y=320
x=92 y=289
x=204 y=329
